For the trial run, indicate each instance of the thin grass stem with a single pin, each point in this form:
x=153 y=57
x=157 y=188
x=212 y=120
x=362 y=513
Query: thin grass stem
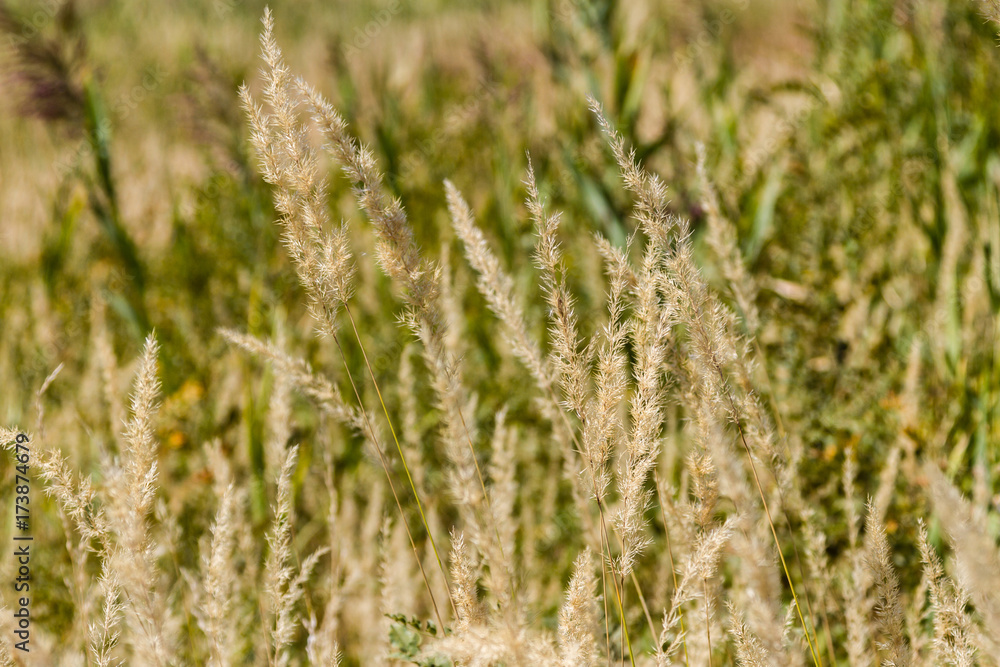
x=670 y=557
x=392 y=488
x=399 y=449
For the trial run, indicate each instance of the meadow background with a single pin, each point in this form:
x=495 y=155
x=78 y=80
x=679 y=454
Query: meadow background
x=845 y=219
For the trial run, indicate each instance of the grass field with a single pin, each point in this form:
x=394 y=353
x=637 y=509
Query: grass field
x=545 y=332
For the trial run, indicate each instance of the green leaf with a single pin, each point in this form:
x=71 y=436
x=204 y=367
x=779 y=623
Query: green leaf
x=405 y=640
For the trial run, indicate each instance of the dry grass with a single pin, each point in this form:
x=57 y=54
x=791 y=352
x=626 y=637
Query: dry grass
x=644 y=414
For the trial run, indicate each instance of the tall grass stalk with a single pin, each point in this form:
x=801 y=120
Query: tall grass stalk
x=399 y=257
x=323 y=260
x=658 y=226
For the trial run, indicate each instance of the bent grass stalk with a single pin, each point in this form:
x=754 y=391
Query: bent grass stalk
x=777 y=543
x=802 y=574
x=392 y=488
x=760 y=490
x=395 y=439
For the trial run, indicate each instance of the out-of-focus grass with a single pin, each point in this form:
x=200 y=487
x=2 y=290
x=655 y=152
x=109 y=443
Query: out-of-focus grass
x=854 y=145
